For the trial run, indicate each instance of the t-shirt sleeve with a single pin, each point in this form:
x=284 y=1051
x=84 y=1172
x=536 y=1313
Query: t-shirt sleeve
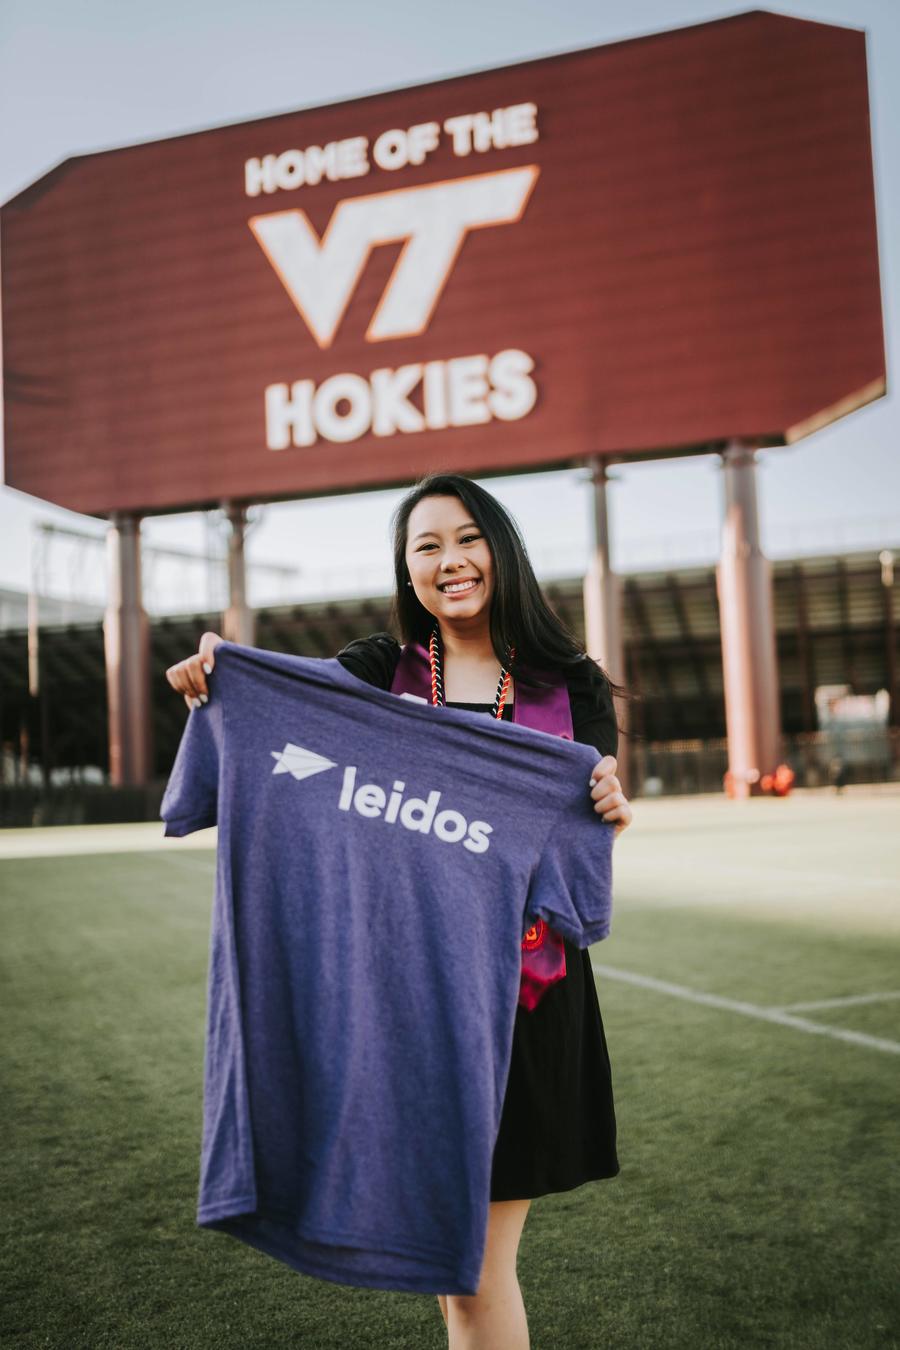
x=190 y=801
x=571 y=885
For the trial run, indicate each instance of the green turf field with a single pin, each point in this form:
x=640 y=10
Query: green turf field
x=759 y=1195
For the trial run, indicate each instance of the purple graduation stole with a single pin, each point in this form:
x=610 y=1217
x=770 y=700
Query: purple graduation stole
x=549 y=710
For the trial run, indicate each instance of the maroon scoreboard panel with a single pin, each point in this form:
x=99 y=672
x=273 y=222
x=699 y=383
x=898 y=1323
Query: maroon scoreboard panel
x=640 y=248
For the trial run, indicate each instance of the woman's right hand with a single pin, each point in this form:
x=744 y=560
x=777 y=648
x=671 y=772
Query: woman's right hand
x=189 y=677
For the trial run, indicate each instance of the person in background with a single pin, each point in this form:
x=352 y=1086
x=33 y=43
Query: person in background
x=466 y=598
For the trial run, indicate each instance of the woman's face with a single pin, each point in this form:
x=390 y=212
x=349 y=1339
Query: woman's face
x=444 y=547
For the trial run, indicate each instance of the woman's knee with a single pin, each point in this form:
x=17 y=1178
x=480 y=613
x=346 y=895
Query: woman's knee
x=506 y=1219
x=498 y=1278
x=493 y=1287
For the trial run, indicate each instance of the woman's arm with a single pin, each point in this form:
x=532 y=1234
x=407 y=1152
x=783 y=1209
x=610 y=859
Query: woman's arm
x=594 y=723
x=188 y=677
x=593 y=714
x=373 y=659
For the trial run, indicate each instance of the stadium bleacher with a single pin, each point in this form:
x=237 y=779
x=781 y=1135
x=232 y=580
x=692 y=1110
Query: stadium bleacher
x=835 y=626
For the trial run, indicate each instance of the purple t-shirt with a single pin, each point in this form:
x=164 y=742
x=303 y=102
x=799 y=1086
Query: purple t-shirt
x=378 y=863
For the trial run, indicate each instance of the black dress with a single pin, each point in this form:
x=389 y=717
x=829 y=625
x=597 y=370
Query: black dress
x=558 y=1124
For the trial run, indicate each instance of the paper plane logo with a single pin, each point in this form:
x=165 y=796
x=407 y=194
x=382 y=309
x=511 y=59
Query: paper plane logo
x=300 y=763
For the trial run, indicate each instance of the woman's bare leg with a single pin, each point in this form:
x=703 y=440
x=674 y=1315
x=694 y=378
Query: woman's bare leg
x=494 y=1317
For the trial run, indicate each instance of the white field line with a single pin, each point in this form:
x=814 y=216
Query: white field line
x=61 y=841
x=775 y=1015
x=775 y=873
x=846 y=1002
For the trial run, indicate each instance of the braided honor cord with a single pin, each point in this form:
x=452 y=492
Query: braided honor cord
x=437 y=678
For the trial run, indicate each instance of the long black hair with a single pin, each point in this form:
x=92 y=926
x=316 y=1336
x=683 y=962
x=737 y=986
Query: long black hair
x=520 y=616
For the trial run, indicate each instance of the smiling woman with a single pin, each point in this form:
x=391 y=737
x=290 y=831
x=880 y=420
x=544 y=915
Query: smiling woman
x=449 y=558
x=478 y=634
x=451 y=570
x=462 y=574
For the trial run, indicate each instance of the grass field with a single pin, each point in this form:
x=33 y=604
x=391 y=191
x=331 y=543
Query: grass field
x=759 y=1195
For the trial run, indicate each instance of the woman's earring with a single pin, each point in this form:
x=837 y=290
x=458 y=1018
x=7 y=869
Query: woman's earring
x=409 y=583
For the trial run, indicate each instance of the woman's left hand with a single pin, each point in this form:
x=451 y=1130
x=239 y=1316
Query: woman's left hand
x=610 y=801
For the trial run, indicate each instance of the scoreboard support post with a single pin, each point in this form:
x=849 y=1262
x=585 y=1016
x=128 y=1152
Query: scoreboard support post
x=603 y=605
x=239 y=623
x=747 y=623
x=126 y=641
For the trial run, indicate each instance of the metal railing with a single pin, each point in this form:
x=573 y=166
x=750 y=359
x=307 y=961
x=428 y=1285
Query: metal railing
x=818 y=758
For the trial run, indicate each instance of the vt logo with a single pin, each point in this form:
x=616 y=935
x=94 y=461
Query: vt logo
x=300 y=763
x=320 y=275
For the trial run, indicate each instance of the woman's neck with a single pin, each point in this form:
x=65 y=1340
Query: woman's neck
x=473 y=647
x=470 y=667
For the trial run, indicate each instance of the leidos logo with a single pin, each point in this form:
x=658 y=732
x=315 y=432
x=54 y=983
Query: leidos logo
x=414 y=813
x=371 y=800
x=320 y=276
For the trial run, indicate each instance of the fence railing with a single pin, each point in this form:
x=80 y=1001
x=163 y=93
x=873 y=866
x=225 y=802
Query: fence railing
x=818 y=758
x=658 y=769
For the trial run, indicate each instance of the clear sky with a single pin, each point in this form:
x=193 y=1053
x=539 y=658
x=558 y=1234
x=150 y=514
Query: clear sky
x=81 y=77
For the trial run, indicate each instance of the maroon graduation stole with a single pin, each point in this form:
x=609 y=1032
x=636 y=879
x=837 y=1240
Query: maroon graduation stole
x=549 y=710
